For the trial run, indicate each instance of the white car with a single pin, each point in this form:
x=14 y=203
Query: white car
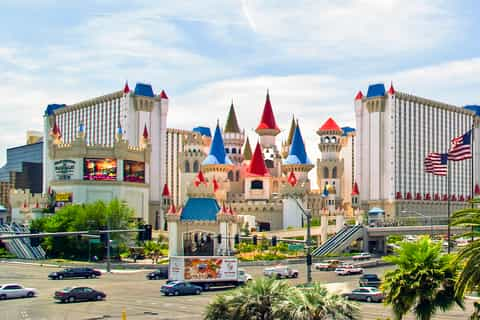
x=243 y=276
x=279 y=272
x=362 y=256
x=346 y=270
x=14 y=290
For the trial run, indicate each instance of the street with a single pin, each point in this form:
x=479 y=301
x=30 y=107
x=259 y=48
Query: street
x=141 y=298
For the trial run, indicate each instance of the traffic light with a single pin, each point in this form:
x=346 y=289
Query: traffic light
x=237 y=238
x=103 y=236
x=274 y=241
x=148 y=232
x=254 y=239
x=34 y=242
x=219 y=238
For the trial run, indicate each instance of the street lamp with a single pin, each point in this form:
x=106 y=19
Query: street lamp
x=423 y=216
x=308 y=259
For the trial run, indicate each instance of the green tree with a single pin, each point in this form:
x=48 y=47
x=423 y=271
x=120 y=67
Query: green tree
x=468 y=257
x=153 y=250
x=423 y=280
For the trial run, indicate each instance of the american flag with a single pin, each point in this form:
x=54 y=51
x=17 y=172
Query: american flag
x=461 y=147
x=427 y=163
x=437 y=163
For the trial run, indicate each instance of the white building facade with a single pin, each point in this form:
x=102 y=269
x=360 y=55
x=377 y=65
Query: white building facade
x=395 y=132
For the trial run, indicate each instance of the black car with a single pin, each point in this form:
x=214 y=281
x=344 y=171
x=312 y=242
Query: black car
x=78 y=294
x=370 y=280
x=179 y=288
x=161 y=273
x=75 y=273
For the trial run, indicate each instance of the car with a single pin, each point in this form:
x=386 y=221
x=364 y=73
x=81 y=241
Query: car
x=244 y=276
x=74 y=294
x=345 y=270
x=369 y=280
x=280 y=271
x=75 y=273
x=362 y=256
x=161 y=273
x=328 y=265
x=369 y=294
x=177 y=288
x=14 y=290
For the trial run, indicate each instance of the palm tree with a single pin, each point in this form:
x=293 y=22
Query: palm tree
x=268 y=299
x=468 y=257
x=423 y=280
x=153 y=250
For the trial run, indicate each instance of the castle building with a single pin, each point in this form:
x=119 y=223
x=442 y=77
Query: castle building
x=395 y=132
x=113 y=146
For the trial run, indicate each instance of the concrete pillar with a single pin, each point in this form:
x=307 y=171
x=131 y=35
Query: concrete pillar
x=225 y=241
x=339 y=221
x=324 y=226
x=174 y=236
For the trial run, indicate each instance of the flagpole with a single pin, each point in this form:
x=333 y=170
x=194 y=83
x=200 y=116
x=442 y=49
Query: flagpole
x=448 y=210
x=471 y=164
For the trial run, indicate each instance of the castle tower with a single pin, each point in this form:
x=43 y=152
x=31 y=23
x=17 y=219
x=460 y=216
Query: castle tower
x=257 y=178
x=330 y=166
x=297 y=160
x=286 y=144
x=190 y=160
x=217 y=165
x=247 y=151
x=268 y=130
x=166 y=204
x=233 y=137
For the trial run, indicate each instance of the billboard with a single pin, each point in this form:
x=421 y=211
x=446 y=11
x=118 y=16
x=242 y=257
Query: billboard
x=63 y=198
x=100 y=169
x=203 y=268
x=133 y=171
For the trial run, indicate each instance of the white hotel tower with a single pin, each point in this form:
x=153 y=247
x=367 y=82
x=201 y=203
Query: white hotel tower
x=395 y=131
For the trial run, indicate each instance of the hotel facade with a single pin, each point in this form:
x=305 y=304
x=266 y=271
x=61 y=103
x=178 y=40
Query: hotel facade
x=395 y=131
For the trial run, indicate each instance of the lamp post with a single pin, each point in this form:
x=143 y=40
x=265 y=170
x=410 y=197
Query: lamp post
x=423 y=216
x=308 y=259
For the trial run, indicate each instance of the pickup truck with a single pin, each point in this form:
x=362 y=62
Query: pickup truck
x=328 y=265
x=362 y=256
x=279 y=272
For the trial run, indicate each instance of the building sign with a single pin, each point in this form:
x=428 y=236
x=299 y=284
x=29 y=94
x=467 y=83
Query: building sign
x=63 y=198
x=64 y=169
x=133 y=171
x=100 y=169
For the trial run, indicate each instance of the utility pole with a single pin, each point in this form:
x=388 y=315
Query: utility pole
x=108 y=244
x=308 y=247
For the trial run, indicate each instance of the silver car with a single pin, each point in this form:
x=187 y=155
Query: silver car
x=14 y=290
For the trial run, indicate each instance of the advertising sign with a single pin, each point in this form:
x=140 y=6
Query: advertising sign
x=63 y=198
x=133 y=171
x=203 y=268
x=100 y=169
x=64 y=169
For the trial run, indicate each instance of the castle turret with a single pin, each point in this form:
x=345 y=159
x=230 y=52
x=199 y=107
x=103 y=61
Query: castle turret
x=286 y=144
x=258 y=179
x=233 y=137
x=247 y=151
x=297 y=160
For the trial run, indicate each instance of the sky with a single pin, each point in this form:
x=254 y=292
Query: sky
x=313 y=56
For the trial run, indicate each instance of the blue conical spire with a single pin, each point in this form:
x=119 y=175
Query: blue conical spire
x=325 y=191
x=297 y=154
x=217 y=153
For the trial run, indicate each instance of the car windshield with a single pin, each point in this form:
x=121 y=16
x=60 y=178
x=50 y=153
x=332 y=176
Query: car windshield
x=67 y=289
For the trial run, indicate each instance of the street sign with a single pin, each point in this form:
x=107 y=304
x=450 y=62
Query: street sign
x=295 y=247
x=94 y=241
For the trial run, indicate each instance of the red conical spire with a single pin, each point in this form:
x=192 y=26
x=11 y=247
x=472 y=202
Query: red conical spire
x=355 y=191
x=56 y=130
x=359 y=95
x=145 y=132
x=166 y=191
x=330 y=125
x=163 y=95
x=257 y=164
x=199 y=179
x=268 y=119
x=126 y=89
x=391 y=91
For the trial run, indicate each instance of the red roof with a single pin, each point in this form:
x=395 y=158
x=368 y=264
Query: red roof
x=166 y=191
x=330 y=125
x=56 y=130
x=126 y=89
x=391 y=90
x=292 y=179
x=355 y=191
x=145 y=132
x=163 y=95
x=359 y=95
x=257 y=164
x=268 y=119
x=200 y=178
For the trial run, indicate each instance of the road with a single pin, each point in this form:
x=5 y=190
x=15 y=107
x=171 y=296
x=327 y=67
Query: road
x=141 y=298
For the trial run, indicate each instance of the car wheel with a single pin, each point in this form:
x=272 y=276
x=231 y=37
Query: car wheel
x=99 y=297
x=157 y=278
x=3 y=297
x=176 y=293
x=30 y=294
x=295 y=275
x=197 y=292
x=60 y=277
x=93 y=276
x=369 y=299
x=71 y=299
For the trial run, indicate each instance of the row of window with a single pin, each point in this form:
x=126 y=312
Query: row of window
x=326 y=173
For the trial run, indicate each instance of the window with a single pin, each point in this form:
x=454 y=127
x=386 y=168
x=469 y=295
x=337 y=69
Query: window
x=187 y=166
x=256 y=185
x=234 y=150
x=226 y=150
x=269 y=164
x=326 y=140
x=334 y=173
x=333 y=140
x=195 y=166
x=230 y=175
x=325 y=172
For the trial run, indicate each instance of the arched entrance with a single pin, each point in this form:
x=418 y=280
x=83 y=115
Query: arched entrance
x=198 y=243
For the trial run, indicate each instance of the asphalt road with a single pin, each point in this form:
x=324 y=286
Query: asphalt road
x=141 y=298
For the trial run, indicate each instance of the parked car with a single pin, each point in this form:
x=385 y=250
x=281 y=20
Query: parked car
x=176 y=288
x=362 y=256
x=345 y=270
x=369 y=294
x=14 y=290
x=328 y=265
x=78 y=294
x=75 y=273
x=161 y=273
x=279 y=272
x=369 y=280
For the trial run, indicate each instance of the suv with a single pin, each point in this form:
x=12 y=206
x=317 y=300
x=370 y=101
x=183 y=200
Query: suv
x=370 y=280
x=280 y=272
x=160 y=273
x=75 y=273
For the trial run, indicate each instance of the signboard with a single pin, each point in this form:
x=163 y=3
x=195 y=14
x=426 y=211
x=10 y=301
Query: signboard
x=64 y=169
x=63 y=198
x=94 y=241
x=295 y=247
x=100 y=169
x=203 y=268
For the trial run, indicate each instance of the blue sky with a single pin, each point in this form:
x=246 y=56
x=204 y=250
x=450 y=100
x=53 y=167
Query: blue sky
x=312 y=55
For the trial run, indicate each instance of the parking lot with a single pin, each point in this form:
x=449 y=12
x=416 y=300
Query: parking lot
x=141 y=298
